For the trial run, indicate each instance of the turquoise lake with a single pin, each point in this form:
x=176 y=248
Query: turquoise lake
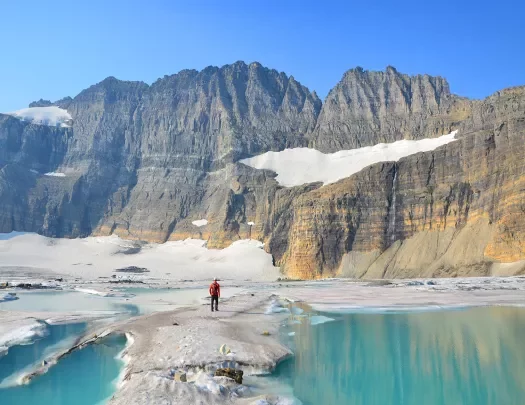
x=464 y=357
x=85 y=377
x=20 y=357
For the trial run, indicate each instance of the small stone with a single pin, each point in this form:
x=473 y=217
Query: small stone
x=180 y=376
x=224 y=349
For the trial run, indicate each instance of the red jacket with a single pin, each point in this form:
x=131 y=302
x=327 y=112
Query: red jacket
x=215 y=289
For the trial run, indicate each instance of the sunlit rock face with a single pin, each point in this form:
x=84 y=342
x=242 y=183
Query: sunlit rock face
x=147 y=161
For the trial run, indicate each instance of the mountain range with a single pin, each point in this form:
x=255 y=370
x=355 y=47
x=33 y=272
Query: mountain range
x=147 y=161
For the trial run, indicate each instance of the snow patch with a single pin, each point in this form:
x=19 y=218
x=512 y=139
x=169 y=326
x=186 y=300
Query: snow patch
x=55 y=174
x=94 y=257
x=303 y=165
x=104 y=293
x=200 y=222
x=49 y=116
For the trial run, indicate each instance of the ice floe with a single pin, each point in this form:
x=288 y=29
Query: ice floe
x=8 y=297
x=276 y=307
x=319 y=319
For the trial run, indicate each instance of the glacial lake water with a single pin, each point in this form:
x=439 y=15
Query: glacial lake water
x=84 y=377
x=467 y=357
x=22 y=357
x=87 y=376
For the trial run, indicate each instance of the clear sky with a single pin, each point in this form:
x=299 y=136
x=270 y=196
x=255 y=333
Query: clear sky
x=51 y=49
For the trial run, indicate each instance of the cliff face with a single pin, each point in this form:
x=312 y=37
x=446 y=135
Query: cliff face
x=458 y=210
x=146 y=161
x=138 y=158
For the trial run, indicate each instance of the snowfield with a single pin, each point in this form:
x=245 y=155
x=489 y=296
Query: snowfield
x=303 y=165
x=200 y=222
x=93 y=257
x=50 y=116
x=55 y=174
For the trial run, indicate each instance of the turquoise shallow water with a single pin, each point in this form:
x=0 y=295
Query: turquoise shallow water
x=467 y=357
x=21 y=356
x=85 y=377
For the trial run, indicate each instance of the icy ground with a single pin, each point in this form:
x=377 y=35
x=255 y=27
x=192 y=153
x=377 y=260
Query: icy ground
x=188 y=338
x=417 y=294
x=50 y=116
x=303 y=165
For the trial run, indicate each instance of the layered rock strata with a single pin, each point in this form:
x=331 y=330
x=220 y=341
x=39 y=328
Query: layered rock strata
x=145 y=161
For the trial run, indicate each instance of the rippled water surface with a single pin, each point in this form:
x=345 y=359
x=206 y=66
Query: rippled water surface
x=465 y=357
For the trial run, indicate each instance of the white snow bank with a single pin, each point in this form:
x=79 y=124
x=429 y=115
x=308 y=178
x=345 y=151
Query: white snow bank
x=303 y=165
x=50 y=116
x=55 y=174
x=23 y=335
x=93 y=257
x=200 y=222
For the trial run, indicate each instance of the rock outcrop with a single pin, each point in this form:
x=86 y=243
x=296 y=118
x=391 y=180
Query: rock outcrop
x=145 y=161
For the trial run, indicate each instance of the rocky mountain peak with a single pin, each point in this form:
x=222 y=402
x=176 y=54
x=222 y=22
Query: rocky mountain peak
x=369 y=107
x=62 y=103
x=41 y=103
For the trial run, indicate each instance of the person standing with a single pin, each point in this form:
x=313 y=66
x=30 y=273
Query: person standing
x=215 y=292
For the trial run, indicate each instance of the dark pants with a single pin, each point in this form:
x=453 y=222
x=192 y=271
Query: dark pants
x=215 y=298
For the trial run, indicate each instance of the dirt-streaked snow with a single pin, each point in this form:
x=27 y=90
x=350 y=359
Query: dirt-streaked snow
x=94 y=257
x=50 y=116
x=303 y=165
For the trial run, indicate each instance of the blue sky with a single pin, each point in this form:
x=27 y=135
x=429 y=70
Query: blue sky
x=51 y=49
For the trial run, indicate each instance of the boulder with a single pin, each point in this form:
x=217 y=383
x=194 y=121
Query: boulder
x=180 y=376
x=232 y=373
